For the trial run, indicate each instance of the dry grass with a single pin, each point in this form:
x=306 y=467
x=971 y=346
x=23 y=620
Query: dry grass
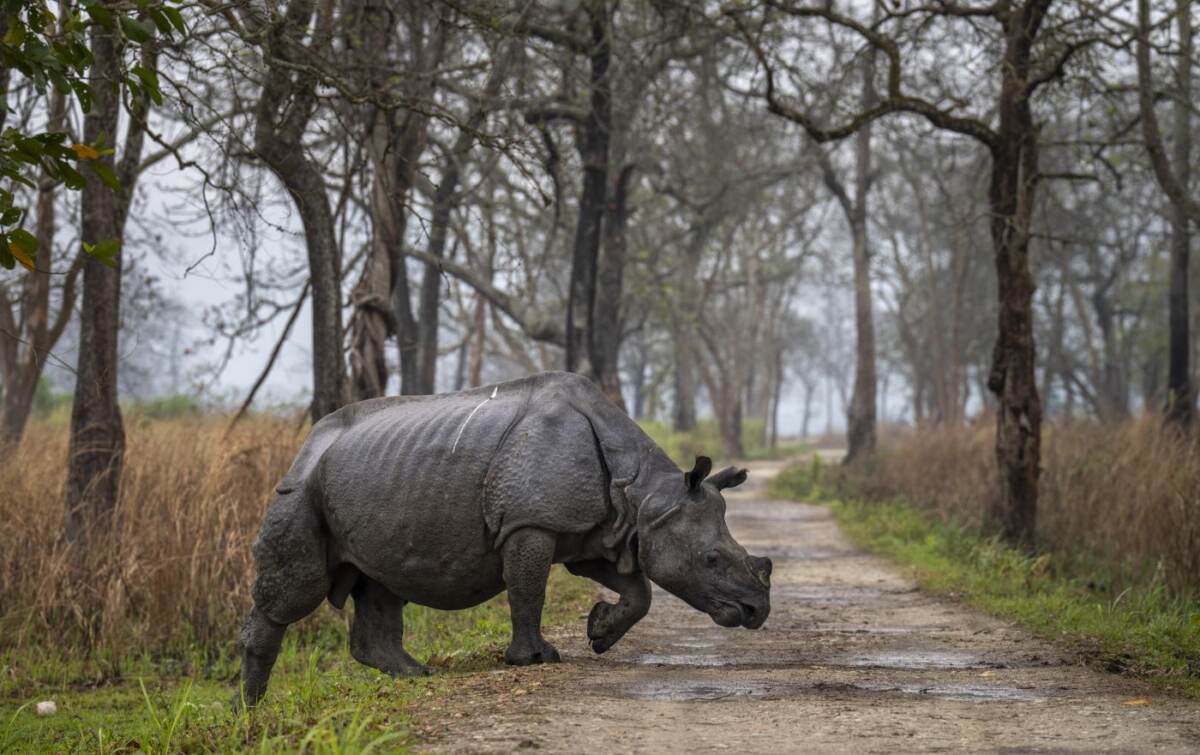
x=175 y=575
x=1126 y=494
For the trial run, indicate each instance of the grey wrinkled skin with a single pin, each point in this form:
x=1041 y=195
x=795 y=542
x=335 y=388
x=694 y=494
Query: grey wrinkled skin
x=446 y=500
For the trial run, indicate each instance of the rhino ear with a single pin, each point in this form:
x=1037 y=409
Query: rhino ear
x=698 y=473
x=729 y=477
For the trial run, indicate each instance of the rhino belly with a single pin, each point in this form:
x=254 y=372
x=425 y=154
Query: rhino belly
x=444 y=561
x=406 y=511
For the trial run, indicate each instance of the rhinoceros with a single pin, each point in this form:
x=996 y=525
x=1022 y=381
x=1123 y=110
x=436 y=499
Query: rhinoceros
x=446 y=500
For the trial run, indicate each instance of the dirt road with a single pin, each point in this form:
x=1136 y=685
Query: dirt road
x=853 y=658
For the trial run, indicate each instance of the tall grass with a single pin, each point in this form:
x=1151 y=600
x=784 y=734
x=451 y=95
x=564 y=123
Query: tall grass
x=173 y=577
x=1126 y=495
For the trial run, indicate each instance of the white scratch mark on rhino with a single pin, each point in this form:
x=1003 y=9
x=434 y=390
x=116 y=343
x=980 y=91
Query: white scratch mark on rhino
x=458 y=437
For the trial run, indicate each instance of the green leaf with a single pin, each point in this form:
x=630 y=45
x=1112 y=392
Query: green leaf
x=7 y=261
x=161 y=21
x=71 y=177
x=136 y=30
x=59 y=81
x=84 y=94
x=23 y=239
x=104 y=252
x=10 y=216
x=16 y=32
x=106 y=175
x=149 y=81
x=100 y=15
x=176 y=19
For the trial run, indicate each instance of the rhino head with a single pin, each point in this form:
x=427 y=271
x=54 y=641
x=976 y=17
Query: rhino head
x=685 y=547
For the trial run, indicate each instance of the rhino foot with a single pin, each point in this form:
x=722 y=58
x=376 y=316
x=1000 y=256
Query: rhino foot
x=517 y=656
x=604 y=626
x=393 y=662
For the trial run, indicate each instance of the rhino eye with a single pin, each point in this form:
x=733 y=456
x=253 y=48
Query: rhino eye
x=711 y=558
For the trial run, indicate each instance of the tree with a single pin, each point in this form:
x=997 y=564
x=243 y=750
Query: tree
x=1025 y=64
x=97 y=447
x=1174 y=176
x=860 y=416
x=285 y=105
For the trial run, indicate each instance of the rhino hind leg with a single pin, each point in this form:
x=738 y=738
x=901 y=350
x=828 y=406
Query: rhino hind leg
x=528 y=554
x=609 y=622
x=377 y=631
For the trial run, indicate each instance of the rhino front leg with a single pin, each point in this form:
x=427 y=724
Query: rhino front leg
x=528 y=554
x=377 y=632
x=607 y=622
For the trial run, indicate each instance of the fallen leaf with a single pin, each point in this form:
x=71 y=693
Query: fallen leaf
x=1138 y=701
x=988 y=673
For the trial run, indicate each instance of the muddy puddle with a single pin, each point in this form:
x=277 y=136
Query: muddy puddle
x=964 y=692
x=684 y=659
x=839 y=595
x=835 y=627
x=666 y=690
x=793 y=553
x=917 y=660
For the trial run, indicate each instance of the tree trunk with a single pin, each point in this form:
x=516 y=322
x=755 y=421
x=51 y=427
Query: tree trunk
x=593 y=151
x=478 y=344
x=860 y=419
x=639 y=382
x=97 y=443
x=776 y=398
x=1114 y=394
x=370 y=320
x=606 y=337
x=1180 y=397
x=460 y=366
x=729 y=422
x=810 y=389
x=307 y=186
x=370 y=317
x=430 y=302
x=284 y=109
x=683 y=415
x=1013 y=186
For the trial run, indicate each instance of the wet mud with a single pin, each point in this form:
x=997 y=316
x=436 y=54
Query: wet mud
x=853 y=659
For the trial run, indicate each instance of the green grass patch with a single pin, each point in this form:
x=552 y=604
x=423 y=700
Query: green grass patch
x=1142 y=629
x=806 y=481
x=320 y=699
x=705 y=440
